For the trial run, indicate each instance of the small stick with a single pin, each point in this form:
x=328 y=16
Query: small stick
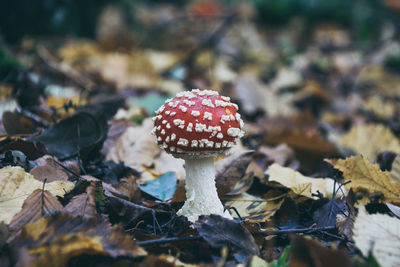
x=167 y=240
x=298 y=230
x=42 y=208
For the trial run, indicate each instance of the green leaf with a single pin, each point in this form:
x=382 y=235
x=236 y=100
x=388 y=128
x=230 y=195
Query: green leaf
x=162 y=188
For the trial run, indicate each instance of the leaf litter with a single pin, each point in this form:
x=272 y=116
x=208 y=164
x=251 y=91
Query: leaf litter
x=315 y=181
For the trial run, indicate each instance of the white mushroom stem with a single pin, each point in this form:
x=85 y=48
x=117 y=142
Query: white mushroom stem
x=201 y=193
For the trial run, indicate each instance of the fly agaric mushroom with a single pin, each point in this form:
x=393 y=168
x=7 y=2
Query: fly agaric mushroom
x=197 y=126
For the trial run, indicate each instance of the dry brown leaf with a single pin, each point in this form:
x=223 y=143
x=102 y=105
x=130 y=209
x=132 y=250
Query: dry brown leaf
x=129 y=187
x=370 y=140
x=84 y=204
x=53 y=240
x=298 y=183
x=36 y=205
x=48 y=169
x=311 y=252
x=261 y=97
x=230 y=170
x=366 y=176
x=136 y=146
x=379 y=233
x=299 y=133
x=16 y=185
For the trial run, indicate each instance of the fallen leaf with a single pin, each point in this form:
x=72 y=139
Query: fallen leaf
x=366 y=176
x=395 y=172
x=379 y=107
x=136 y=146
x=83 y=205
x=345 y=221
x=116 y=128
x=298 y=183
x=16 y=185
x=261 y=97
x=165 y=162
x=310 y=252
x=36 y=205
x=54 y=240
x=299 y=134
x=370 y=140
x=326 y=215
x=49 y=169
x=230 y=170
x=219 y=231
x=253 y=209
x=81 y=133
x=395 y=209
x=279 y=154
x=379 y=233
x=130 y=188
x=162 y=188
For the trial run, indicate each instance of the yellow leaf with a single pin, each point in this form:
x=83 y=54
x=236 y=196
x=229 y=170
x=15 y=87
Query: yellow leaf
x=378 y=232
x=367 y=176
x=381 y=108
x=254 y=209
x=16 y=185
x=370 y=140
x=298 y=183
x=395 y=172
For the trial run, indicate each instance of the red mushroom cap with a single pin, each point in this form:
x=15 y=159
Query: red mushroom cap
x=198 y=123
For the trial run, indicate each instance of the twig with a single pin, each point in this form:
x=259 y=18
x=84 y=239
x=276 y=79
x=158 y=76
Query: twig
x=298 y=230
x=42 y=196
x=167 y=240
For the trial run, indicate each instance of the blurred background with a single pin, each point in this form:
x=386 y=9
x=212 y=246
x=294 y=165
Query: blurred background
x=303 y=72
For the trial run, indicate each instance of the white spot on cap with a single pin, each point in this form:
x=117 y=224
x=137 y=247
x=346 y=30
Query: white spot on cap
x=195 y=113
x=162 y=132
x=224 y=143
x=209 y=143
x=167 y=139
x=226 y=98
x=173 y=113
x=200 y=127
x=161 y=109
x=217 y=145
x=233 y=132
x=183 y=142
x=220 y=136
x=207 y=115
x=188 y=102
x=168 y=126
x=164 y=122
x=183 y=108
x=167 y=112
x=208 y=103
x=173 y=137
x=194 y=143
x=189 y=127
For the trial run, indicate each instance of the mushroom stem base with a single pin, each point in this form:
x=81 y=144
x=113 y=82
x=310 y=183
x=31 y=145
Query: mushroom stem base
x=201 y=193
